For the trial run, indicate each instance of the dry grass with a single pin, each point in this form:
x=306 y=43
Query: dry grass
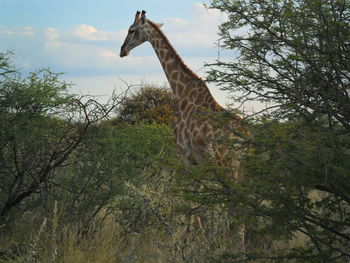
x=107 y=242
x=50 y=244
x=104 y=243
x=96 y=246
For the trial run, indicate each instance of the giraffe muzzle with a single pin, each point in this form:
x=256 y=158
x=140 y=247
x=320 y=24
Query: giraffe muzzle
x=123 y=52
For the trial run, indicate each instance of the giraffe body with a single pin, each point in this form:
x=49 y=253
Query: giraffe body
x=195 y=132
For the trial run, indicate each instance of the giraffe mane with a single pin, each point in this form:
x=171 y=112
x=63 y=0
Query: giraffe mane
x=175 y=54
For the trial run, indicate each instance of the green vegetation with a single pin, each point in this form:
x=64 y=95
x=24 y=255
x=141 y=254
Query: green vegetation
x=85 y=182
x=148 y=105
x=292 y=55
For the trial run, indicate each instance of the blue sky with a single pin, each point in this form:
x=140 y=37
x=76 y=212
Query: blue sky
x=82 y=38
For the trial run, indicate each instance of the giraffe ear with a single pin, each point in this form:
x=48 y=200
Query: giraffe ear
x=160 y=25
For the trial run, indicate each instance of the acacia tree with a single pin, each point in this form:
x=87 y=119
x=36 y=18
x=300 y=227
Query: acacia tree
x=293 y=55
x=41 y=126
x=149 y=104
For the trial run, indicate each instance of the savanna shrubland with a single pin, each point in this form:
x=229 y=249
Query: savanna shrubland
x=77 y=185
x=67 y=174
x=81 y=182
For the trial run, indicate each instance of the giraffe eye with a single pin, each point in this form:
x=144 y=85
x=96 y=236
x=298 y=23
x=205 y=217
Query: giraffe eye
x=131 y=31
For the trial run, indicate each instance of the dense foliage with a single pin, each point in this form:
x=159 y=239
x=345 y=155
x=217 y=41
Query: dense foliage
x=40 y=127
x=292 y=55
x=149 y=104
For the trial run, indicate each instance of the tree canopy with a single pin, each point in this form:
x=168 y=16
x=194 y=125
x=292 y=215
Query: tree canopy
x=41 y=126
x=293 y=55
x=148 y=104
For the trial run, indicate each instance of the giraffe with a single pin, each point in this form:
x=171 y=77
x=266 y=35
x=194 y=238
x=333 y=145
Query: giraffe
x=195 y=131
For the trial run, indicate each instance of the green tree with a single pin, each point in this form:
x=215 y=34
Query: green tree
x=293 y=55
x=149 y=104
x=109 y=161
x=41 y=126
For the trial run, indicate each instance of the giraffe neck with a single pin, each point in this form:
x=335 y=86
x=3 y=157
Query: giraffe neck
x=185 y=84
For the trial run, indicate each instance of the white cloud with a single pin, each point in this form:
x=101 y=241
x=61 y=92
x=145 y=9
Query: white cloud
x=200 y=32
x=52 y=34
x=88 y=32
x=23 y=31
x=82 y=34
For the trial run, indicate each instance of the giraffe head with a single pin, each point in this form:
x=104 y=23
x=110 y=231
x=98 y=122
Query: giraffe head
x=138 y=33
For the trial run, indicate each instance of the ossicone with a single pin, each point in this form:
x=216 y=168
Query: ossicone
x=137 y=16
x=143 y=16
